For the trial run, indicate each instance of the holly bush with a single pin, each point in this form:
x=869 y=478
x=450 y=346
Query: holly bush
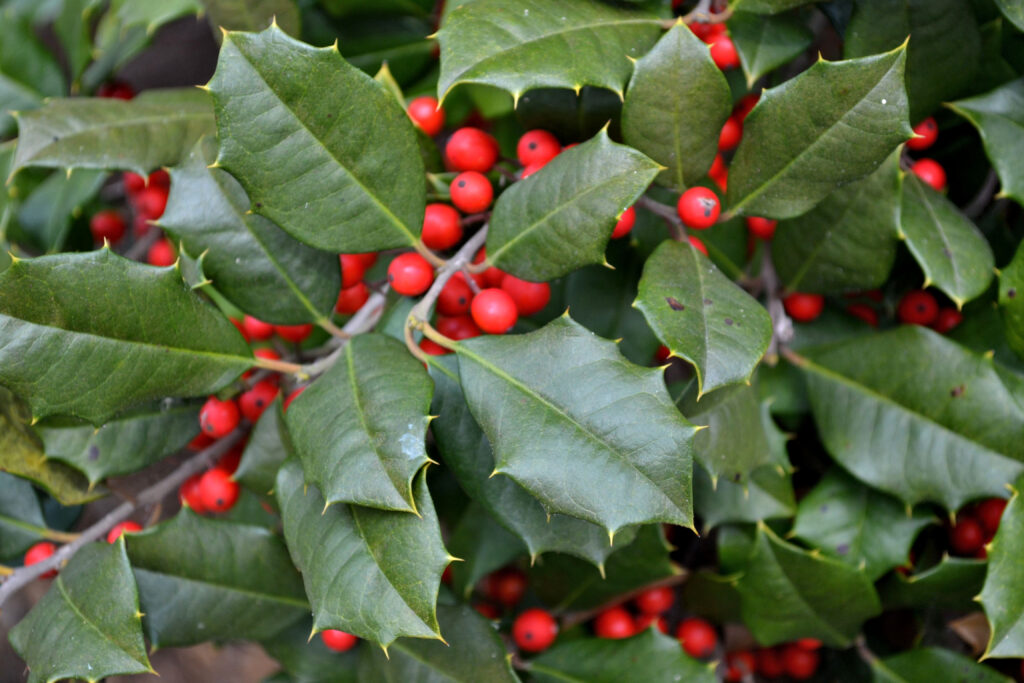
x=498 y=340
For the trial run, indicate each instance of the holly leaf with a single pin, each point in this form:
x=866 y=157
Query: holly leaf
x=253 y=15
x=766 y=43
x=649 y=656
x=703 y=316
x=537 y=44
x=1011 y=301
x=945 y=437
x=29 y=72
x=467 y=452
x=562 y=216
x=73 y=345
x=1012 y=10
x=1000 y=598
x=21 y=517
x=676 y=105
x=235 y=581
x=47 y=213
x=473 y=652
x=126 y=444
x=307 y=660
x=598 y=437
x=87 y=625
x=926 y=664
x=257 y=266
x=155 y=129
x=999 y=118
x=483 y=545
x=857 y=525
x=848 y=241
x=951 y=251
x=302 y=153
x=367 y=415
x=152 y=16
x=767 y=6
x=853 y=110
x=789 y=593
x=372 y=573
x=766 y=494
x=712 y=596
x=268 y=447
x=953 y=583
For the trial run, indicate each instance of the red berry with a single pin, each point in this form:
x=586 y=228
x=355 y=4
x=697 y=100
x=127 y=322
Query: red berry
x=199 y=442
x=491 y=277
x=487 y=610
x=534 y=630
x=133 y=183
x=723 y=53
x=966 y=537
x=662 y=354
x=455 y=296
x=707 y=32
x=918 y=307
x=931 y=172
x=292 y=396
x=530 y=297
x=655 y=600
x=505 y=586
x=257 y=329
x=441 y=227
x=351 y=299
x=494 y=311
x=218 y=491
x=615 y=623
x=717 y=166
x=925 y=134
x=367 y=259
x=151 y=202
x=864 y=312
x=229 y=461
x=296 y=334
x=627 y=219
x=769 y=663
x=118 y=90
x=426 y=113
x=338 y=641
x=458 y=327
x=804 y=308
x=739 y=664
x=800 y=663
x=697 y=637
x=537 y=147
x=744 y=105
x=257 y=399
x=353 y=268
x=699 y=208
x=218 y=418
x=188 y=494
x=410 y=274
x=731 y=133
x=471 y=192
x=107 y=225
x=697 y=244
x=721 y=179
x=761 y=227
x=123 y=527
x=39 y=552
x=643 y=621
x=471 y=149
x=946 y=320
x=266 y=354
x=808 y=643
x=159 y=178
x=161 y=254
x=989 y=512
x=432 y=348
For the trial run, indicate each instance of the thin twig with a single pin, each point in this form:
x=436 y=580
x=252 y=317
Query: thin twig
x=154 y=494
x=333 y=329
x=667 y=214
x=421 y=311
x=142 y=245
x=782 y=325
x=977 y=205
x=363 y=320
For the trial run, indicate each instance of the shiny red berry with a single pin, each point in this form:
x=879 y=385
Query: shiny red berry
x=808 y=643
x=864 y=312
x=800 y=663
x=614 y=623
x=367 y=259
x=988 y=513
x=802 y=307
x=118 y=90
x=966 y=536
x=627 y=219
x=426 y=113
x=455 y=296
x=492 y=276
x=254 y=401
x=931 y=172
x=432 y=348
x=442 y=228
x=257 y=329
x=723 y=53
x=655 y=600
x=707 y=32
x=296 y=334
x=947 y=319
x=188 y=494
x=338 y=641
x=738 y=665
x=458 y=327
x=107 y=225
x=925 y=135
x=763 y=228
x=151 y=201
x=292 y=396
x=918 y=307
x=410 y=274
x=353 y=269
x=161 y=254
x=530 y=297
x=487 y=610
x=218 y=418
x=537 y=147
x=731 y=133
x=218 y=491
x=769 y=662
x=699 y=208
x=534 y=630
x=133 y=183
x=230 y=460
x=351 y=299
x=530 y=169
x=39 y=552
x=697 y=244
x=744 y=105
x=121 y=528
x=643 y=621
x=505 y=586
x=697 y=637
x=494 y=311
x=471 y=192
x=471 y=149
x=159 y=178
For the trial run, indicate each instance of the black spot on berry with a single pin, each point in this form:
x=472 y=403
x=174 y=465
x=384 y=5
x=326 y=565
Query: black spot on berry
x=532 y=145
x=462 y=183
x=674 y=304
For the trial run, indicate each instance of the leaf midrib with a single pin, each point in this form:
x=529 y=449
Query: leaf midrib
x=283 y=599
x=923 y=200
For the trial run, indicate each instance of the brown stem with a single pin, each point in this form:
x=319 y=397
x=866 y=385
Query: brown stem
x=667 y=214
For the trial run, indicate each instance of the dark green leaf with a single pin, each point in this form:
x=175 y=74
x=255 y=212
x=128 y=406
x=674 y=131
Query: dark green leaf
x=157 y=128
x=202 y=579
x=766 y=494
x=951 y=251
x=676 y=105
x=924 y=420
x=123 y=445
x=766 y=43
x=858 y=525
x=466 y=450
x=474 y=652
x=649 y=656
x=483 y=545
x=999 y=118
x=767 y=6
x=268 y=447
x=848 y=241
x=73 y=344
x=1000 y=596
x=1014 y=11
x=703 y=316
x=535 y=44
x=831 y=125
x=789 y=593
x=21 y=518
x=372 y=573
x=943 y=51
x=597 y=437
x=152 y=15
x=46 y=213
x=359 y=429
x=28 y=71
x=307 y=660
x=1011 y=301
x=712 y=596
x=87 y=625
x=951 y=584
x=253 y=15
x=562 y=216
x=72 y=26
x=928 y=664
x=294 y=123
x=252 y=262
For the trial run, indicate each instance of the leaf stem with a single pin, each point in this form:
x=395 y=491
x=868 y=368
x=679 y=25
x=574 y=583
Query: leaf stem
x=782 y=325
x=277 y=365
x=362 y=321
x=426 y=253
x=333 y=329
x=667 y=214
x=977 y=205
x=22 y=576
